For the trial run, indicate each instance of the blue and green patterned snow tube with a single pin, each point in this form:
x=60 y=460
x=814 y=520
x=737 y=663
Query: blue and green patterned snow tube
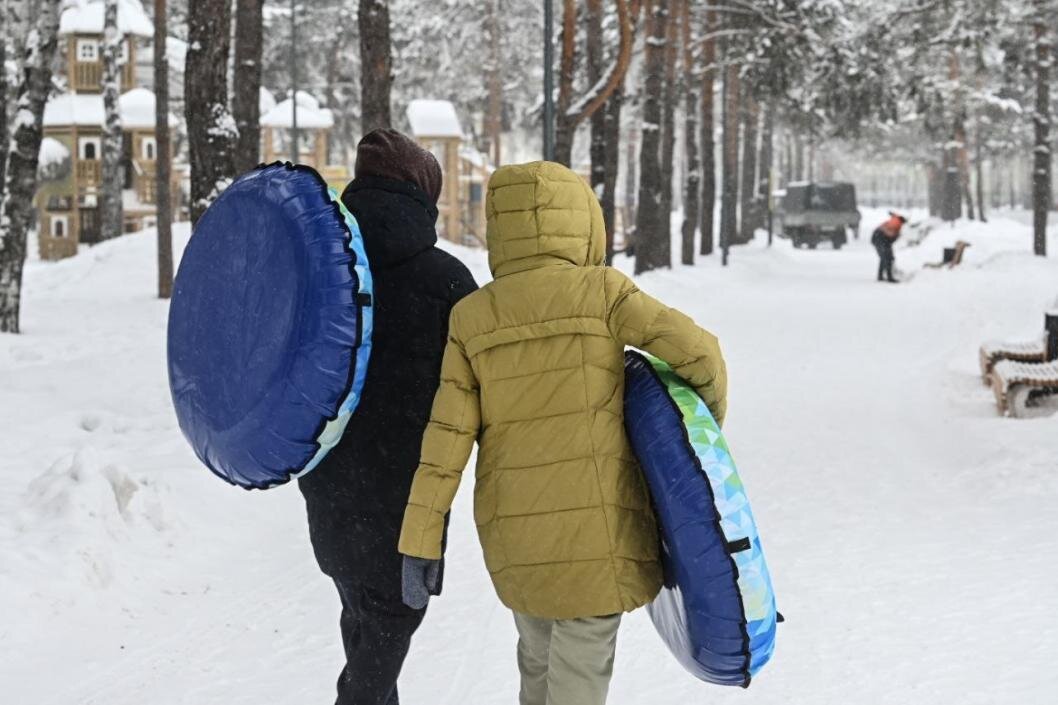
x=716 y=612
x=270 y=327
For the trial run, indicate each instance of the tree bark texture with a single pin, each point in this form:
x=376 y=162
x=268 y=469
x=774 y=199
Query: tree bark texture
x=111 y=178
x=211 y=130
x=1041 y=167
x=163 y=176
x=692 y=185
x=16 y=199
x=668 y=126
x=648 y=246
x=709 y=72
x=246 y=88
x=376 y=61
x=729 y=176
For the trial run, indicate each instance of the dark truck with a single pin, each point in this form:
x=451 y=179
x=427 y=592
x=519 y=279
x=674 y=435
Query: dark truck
x=811 y=213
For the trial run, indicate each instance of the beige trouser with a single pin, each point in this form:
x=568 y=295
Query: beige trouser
x=565 y=661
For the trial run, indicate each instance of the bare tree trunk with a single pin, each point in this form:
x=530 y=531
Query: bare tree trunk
x=246 y=87
x=376 y=63
x=750 y=119
x=3 y=92
x=112 y=181
x=668 y=128
x=494 y=80
x=964 y=166
x=648 y=240
x=951 y=204
x=729 y=176
x=709 y=73
x=767 y=157
x=163 y=195
x=211 y=130
x=692 y=186
x=611 y=156
x=1041 y=172
x=979 y=166
x=16 y=200
x=594 y=53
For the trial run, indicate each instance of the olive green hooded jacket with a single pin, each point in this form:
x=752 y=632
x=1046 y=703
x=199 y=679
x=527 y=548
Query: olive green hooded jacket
x=534 y=372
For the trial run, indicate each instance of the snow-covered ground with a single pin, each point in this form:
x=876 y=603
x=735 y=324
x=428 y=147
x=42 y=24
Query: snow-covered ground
x=912 y=534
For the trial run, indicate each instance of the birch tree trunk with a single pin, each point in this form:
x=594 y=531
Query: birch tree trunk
x=1041 y=171
x=692 y=185
x=211 y=130
x=163 y=196
x=649 y=213
x=709 y=69
x=16 y=200
x=112 y=181
x=246 y=88
x=376 y=61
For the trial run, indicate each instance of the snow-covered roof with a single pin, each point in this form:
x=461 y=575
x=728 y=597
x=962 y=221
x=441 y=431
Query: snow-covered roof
x=433 y=118
x=137 y=109
x=74 y=109
x=86 y=17
x=136 y=106
x=52 y=151
x=310 y=115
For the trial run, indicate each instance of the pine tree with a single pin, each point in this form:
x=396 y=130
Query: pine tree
x=111 y=178
x=1042 y=31
x=376 y=62
x=211 y=130
x=692 y=185
x=163 y=196
x=246 y=101
x=709 y=72
x=16 y=199
x=649 y=216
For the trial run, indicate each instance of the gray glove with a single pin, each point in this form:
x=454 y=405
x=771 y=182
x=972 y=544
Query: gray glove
x=419 y=581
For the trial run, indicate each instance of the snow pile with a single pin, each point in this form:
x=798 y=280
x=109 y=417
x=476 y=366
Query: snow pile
x=910 y=530
x=86 y=17
x=433 y=118
x=53 y=153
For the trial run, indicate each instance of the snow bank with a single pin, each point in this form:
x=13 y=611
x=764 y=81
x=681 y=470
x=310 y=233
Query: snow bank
x=910 y=530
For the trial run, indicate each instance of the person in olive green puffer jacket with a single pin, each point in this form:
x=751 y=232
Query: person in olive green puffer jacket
x=534 y=372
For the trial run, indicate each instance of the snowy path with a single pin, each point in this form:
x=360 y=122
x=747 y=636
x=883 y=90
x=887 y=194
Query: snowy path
x=911 y=533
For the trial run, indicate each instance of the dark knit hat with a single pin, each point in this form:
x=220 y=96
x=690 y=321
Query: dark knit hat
x=390 y=154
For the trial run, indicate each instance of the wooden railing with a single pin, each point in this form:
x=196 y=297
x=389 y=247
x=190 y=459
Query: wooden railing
x=88 y=172
x=88 y=76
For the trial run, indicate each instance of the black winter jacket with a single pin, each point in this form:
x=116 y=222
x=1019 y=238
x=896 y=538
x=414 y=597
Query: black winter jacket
x=356 y=497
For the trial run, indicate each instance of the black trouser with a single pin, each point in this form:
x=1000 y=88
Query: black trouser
x=885 y=257
x=376 y=632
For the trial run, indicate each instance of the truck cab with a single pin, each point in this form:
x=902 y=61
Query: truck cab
x=814 y=212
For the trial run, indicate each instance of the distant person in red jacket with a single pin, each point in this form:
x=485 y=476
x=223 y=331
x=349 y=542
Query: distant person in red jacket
x=883 y=238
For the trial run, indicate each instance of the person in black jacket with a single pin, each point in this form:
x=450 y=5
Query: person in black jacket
x=355 y=499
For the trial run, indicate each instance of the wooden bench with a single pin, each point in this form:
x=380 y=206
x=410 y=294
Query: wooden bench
x=1043 y=349
x=1025 y=389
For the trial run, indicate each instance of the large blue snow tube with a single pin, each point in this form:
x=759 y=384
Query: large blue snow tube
x=716 y=612
x=270 y=327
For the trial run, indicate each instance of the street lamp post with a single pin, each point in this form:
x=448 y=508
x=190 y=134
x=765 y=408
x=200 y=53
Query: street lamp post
x=549 y=80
